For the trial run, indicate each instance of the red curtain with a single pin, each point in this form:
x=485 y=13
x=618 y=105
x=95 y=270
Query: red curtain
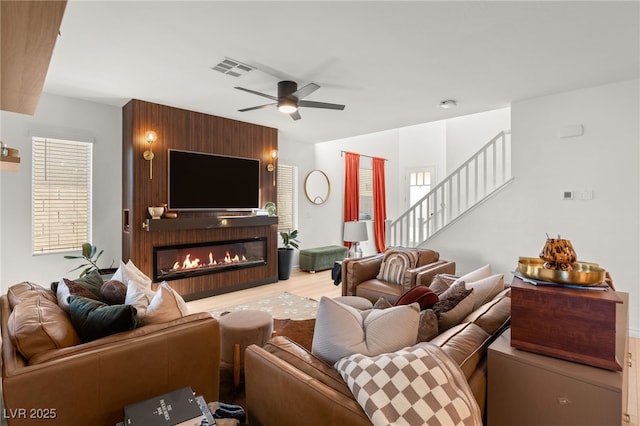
x=351 y=188
x=379 y=203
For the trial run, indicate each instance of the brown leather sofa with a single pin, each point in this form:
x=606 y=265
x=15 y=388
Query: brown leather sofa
x=90 y=383
x=359 y=275
x=286 y=384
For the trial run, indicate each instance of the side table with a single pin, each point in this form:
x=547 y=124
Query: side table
x=529 y=389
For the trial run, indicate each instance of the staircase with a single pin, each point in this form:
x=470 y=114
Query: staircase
x=481 y=176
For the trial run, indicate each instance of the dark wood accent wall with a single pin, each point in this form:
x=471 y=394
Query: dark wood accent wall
x=182 y=129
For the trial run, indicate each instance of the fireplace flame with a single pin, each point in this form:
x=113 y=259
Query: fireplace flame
x=188 y=263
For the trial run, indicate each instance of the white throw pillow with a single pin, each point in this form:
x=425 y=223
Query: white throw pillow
x=139 y=291
x=485 y=289
x=138 y=296
x=62 y=294
x=478 y=274
x=133 y=271
x=342 y=330
x=165 y=306
x=129 y=271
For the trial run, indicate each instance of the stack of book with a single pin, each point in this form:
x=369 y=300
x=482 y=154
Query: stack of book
x=178 y=408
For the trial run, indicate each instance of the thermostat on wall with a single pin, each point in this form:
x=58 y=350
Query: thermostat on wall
x=567 y=195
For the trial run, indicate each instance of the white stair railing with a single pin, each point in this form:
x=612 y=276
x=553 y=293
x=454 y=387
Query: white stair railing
x=487 y=171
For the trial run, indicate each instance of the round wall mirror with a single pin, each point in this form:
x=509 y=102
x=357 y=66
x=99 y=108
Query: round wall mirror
x=317 y=187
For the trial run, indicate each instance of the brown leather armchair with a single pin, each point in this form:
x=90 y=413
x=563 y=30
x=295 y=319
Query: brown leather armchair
x=359 y=276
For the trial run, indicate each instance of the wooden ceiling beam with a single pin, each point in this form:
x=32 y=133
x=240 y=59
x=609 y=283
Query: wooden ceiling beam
x=29 y=30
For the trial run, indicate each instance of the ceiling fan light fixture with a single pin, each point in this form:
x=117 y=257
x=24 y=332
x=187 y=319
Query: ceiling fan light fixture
x=449 y=103
x=287 y=106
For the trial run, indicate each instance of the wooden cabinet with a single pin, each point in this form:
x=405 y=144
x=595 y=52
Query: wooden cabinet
x=529 y=389
x=577 y=325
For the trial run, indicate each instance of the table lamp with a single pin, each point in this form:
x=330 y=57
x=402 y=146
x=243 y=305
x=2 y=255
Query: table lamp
x=354 y=232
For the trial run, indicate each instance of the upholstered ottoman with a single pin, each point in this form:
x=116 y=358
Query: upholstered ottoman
x=320 y=258
x=240 y=329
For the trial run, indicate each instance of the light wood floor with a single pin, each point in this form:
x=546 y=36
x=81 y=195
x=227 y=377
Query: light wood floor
x=320 y=284
x=301 y=283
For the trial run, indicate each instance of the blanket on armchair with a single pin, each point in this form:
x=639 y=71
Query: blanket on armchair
x=420 y=384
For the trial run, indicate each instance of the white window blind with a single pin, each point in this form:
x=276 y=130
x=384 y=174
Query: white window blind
x=287 y=205
x=366 y=194
x=61 y=194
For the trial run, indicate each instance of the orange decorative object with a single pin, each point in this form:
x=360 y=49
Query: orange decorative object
x=558 y=254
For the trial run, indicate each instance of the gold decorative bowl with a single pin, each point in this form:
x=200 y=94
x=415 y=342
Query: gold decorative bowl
x=583 y=273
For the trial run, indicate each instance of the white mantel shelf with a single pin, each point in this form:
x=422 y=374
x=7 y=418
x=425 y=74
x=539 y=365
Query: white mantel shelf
x=207 y=222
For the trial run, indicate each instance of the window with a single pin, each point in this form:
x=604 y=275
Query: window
x=61 y=195
x=287 y=205
x=366 y=194
x=420 y=183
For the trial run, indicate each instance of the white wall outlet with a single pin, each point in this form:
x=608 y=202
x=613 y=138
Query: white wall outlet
x=570 y=131
x=586 y=194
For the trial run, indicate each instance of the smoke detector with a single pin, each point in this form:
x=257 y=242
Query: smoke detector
x=449 y=103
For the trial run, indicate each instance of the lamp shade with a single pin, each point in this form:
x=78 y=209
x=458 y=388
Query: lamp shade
x=355 y=231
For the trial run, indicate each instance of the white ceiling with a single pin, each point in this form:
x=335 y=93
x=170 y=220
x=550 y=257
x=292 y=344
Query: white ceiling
x=390 y=63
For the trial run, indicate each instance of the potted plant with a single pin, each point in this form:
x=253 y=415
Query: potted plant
x=285 y=253
x=91 y=257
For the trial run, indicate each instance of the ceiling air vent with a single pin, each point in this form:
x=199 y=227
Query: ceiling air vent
x=233 y=68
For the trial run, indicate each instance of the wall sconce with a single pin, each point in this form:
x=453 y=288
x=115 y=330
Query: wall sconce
x=150 y=137
x=9 y=158
x=271 y=167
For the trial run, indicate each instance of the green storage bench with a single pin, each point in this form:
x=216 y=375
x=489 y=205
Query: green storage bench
x=321 y=258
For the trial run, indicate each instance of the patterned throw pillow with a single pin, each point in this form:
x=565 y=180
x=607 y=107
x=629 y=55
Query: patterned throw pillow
x=394 y=264
x=417 y=385
x=454 y=304
x=441 y=283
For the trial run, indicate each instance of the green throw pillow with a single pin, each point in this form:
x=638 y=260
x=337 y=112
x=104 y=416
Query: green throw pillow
x=92 y=282
x=93 y=319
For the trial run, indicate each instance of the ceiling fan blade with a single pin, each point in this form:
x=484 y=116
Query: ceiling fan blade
x=325 y=105
x=255 y=107
x=264 y=95
x=305 y=91
x=295 y=115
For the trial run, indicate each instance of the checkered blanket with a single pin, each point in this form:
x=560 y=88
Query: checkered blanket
x=418 y=385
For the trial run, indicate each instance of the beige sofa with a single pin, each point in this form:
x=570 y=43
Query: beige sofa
x=90 y=383
x=286 y=384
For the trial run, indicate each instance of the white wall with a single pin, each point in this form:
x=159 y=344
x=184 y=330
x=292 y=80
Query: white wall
x=62 y=118
x=467 y=134
x=605 y=159
x=422 y=146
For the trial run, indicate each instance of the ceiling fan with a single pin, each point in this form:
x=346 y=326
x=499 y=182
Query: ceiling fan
x=290 y=98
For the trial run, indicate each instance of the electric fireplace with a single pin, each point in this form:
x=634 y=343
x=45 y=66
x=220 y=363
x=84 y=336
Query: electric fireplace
x=190 y=260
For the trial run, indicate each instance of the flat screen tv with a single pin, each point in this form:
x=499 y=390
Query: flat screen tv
x=200 y=181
